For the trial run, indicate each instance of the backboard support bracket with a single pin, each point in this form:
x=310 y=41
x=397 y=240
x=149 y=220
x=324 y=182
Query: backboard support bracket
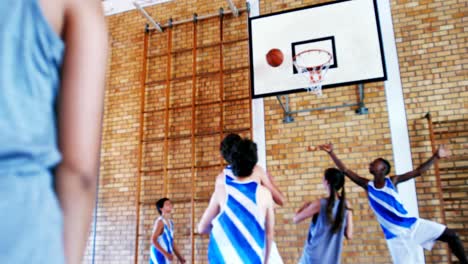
x=288 y=113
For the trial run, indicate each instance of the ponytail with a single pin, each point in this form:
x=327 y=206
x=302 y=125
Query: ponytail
x=341 y=212
x=330 y=205
x=336 y=181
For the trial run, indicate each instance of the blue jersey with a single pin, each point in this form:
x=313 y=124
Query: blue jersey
x=389 y=210
x=238 y=234
x=31 y=55
x=165 y=240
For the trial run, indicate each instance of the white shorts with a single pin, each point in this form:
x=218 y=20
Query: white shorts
x=275 y=257
x=405 y=249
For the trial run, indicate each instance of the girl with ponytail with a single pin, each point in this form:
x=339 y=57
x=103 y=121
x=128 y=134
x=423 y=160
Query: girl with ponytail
x=331 y=222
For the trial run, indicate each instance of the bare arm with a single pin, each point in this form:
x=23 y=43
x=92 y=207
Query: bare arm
x=306 y=211
x=154 y=239
x=304 y=206
x=361 y=181
x=177 y=253
x=441 y=152
x=270 y=224
x=267 y=181
x=80 y=108
x=349 y=225
x=220 y=180
x=210 y=213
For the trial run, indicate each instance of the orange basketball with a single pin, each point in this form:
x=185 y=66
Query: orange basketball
x=274 y=57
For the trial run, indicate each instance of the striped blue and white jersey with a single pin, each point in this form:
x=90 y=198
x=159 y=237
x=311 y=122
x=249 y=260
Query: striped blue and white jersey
x=165 y=240
x=389 y=210
x=238 y=234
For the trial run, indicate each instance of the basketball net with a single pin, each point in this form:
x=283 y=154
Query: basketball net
x=313 y=64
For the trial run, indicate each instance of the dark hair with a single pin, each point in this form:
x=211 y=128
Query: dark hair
x=388 y=167
x=160 y=204
x=243 y=157
x=336 y=180
x=226 y=146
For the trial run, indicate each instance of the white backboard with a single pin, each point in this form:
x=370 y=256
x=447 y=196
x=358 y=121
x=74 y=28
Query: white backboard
x=349 y=30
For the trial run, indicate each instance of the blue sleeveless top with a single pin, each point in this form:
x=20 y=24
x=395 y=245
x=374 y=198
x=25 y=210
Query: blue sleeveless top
x=30 y=57
x=389 y=210
x=165 y=240
x=238 y=234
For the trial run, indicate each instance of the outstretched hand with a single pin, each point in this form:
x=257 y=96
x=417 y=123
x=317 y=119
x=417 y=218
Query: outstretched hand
x=443 y=151
x=326 y=147
x=304 y=206
x=312 y=148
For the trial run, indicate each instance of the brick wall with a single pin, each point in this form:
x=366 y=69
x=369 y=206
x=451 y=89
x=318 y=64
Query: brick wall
x=431 y=39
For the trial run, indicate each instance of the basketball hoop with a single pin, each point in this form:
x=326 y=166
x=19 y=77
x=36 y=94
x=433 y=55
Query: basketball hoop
x=313 y=64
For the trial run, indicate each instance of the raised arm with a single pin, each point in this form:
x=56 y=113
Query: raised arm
x=204 y=226
x=80 y=109
x=361 y=181
x=306 y=211
x=267 y=181
x=267 y=199
x=441 y=152
x=349 y=223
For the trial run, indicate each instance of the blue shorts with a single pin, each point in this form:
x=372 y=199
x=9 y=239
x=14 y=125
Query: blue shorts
x=31 y=219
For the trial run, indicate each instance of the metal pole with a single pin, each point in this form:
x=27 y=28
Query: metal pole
x=361 y=92
x=281 y=103
x=150 y=19
x=321 y=108
x=287 y=113
x=233 y=8
x=362 y=110
x=199 y=18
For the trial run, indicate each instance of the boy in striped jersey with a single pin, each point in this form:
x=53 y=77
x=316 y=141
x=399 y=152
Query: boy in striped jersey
x=262 y=177
x=163 y=247
x=403 y=232
x=239 y=217
x=259 y=175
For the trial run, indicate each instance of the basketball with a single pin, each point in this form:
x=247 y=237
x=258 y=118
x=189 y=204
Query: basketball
x=274 y=57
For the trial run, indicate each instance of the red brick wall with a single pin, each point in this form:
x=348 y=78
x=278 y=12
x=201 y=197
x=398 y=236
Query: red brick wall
x=431 y=46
